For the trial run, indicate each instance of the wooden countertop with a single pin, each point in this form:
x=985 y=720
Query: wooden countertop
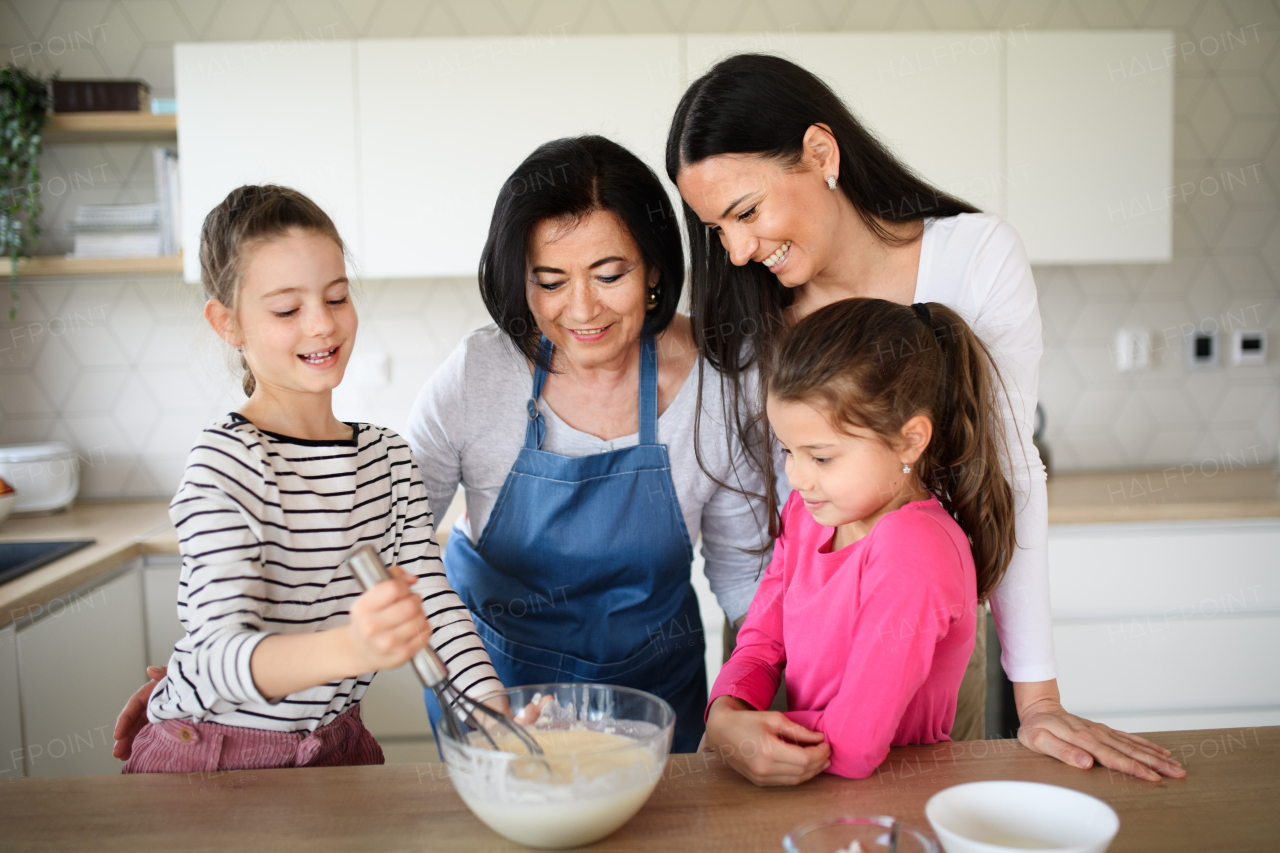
x=1176 y=493
x=122 y=530
x=127 y=530
x=1226 y=802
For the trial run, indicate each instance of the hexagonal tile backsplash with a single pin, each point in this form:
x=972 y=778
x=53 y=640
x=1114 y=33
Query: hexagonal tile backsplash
x=124 y=370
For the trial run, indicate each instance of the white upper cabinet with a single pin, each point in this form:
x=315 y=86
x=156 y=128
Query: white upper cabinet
x=933 y=98
x=406 y=142
x=443 y=122
x=260 y=112
x=1090 y=128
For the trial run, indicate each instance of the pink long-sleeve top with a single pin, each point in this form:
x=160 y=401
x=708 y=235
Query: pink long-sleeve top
x=875 y=636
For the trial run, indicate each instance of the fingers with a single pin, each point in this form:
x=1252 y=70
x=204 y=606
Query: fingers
x=1079 y=742
x=1128 y=757
x=797 y=733
x=134 y=715
x=1041 y=740
x=1141 y=741
x=530 y=713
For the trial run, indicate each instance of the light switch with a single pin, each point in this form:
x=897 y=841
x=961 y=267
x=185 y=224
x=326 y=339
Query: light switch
x=1249 y=346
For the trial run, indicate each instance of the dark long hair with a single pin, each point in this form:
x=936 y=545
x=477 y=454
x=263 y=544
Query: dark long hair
x=760 y=104
x=248 y=216
x=876 y=364
x=569 y=179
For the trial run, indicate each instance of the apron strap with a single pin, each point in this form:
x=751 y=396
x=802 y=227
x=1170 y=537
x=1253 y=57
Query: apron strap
x=648 y=390
x=536 y=430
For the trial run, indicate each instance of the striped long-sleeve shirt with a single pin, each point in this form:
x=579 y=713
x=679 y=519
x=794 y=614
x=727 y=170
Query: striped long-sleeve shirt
x=264 y=524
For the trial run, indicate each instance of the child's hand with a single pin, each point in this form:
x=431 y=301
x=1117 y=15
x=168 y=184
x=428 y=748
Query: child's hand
x=134 y=715
x=387 y=624
x=765 y=746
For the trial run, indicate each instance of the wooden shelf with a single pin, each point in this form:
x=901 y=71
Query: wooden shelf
x=48 y=265
x=110 y=127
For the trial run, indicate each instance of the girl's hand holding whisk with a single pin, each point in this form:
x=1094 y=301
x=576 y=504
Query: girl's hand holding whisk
x=388 y=625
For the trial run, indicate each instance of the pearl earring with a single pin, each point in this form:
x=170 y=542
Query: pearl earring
x=831 y=182
x=906 y=469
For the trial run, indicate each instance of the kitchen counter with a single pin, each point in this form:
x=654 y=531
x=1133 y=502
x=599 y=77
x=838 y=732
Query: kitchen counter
x=128 y=530
x=1226 y=802
x=122 y=530
x=1176 y=493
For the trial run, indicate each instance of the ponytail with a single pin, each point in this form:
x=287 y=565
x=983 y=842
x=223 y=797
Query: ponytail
x=876 y=364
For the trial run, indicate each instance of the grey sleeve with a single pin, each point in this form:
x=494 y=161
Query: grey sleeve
x=733 y=525
x=437 y=430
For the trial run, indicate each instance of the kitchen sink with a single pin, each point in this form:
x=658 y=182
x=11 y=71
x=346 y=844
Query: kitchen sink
x=18 y=558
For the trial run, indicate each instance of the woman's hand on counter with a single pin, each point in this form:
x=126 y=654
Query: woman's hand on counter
x=782 y=753
x=1046 y=727
x=134 y=715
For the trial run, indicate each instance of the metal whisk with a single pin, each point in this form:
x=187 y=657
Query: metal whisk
x=368 y=569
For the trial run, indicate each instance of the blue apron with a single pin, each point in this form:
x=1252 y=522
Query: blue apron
x=583 y=570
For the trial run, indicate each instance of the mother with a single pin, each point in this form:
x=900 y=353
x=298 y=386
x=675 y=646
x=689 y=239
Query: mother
x=570 y=422
x=809 y=208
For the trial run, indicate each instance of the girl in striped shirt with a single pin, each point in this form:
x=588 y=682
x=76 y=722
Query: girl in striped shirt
x=281 y=642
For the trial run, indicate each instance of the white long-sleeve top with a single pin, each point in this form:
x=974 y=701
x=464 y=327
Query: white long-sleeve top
x=264 y=525
x=974 y=263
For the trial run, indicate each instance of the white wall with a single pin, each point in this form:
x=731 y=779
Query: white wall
x=122 y=369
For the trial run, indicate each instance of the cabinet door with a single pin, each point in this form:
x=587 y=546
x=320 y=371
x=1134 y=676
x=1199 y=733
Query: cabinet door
x=933 y=98
x=443 y=122
x=77 y=666
x=11 y=765
x=1090 y=118
x=160 y=602
x=278 y=112
x=1168 y=626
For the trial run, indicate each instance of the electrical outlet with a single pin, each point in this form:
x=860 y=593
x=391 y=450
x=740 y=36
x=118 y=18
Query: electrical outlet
x=1249 y=346
x=1202 y=350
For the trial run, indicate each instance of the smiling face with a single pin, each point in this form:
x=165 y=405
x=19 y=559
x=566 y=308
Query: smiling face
x=763 y=211
x=294 y=320
x=587 y=288
x=848 y=477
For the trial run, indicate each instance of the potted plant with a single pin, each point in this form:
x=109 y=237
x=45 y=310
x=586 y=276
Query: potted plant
x=24 y=106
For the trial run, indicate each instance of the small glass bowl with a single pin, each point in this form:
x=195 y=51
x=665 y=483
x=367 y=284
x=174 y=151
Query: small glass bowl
x=876 y=834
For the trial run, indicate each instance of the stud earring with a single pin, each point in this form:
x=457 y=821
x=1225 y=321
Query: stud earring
x=831 y=182
x=906 y=469
x=653 y=297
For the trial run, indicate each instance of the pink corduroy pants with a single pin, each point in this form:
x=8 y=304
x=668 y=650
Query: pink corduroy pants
x=182 y=746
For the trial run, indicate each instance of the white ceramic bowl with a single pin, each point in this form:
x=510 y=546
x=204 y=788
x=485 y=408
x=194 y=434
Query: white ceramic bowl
x=997 y=817
x=588 y=793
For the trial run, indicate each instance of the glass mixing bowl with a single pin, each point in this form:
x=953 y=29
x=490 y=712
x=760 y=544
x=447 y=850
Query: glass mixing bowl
x=606 y=749
x=873 y=834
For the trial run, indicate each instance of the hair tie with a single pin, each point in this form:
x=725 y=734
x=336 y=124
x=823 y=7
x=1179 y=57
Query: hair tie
x=922 y=310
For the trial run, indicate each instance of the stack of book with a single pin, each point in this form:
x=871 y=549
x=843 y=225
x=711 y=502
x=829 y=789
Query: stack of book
x=133 y=230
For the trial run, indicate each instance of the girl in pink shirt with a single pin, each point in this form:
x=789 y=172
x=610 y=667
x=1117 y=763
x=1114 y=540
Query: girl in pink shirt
x=899 y=524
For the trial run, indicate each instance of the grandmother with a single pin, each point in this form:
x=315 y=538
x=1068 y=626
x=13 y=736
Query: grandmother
x=590 y=440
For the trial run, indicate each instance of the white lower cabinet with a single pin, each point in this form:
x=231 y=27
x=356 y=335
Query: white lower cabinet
x=11 y=766
x=1167 y=626
x=79 y=661
x=160 y=578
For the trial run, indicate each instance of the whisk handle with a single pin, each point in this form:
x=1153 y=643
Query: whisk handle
x=368 y=569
